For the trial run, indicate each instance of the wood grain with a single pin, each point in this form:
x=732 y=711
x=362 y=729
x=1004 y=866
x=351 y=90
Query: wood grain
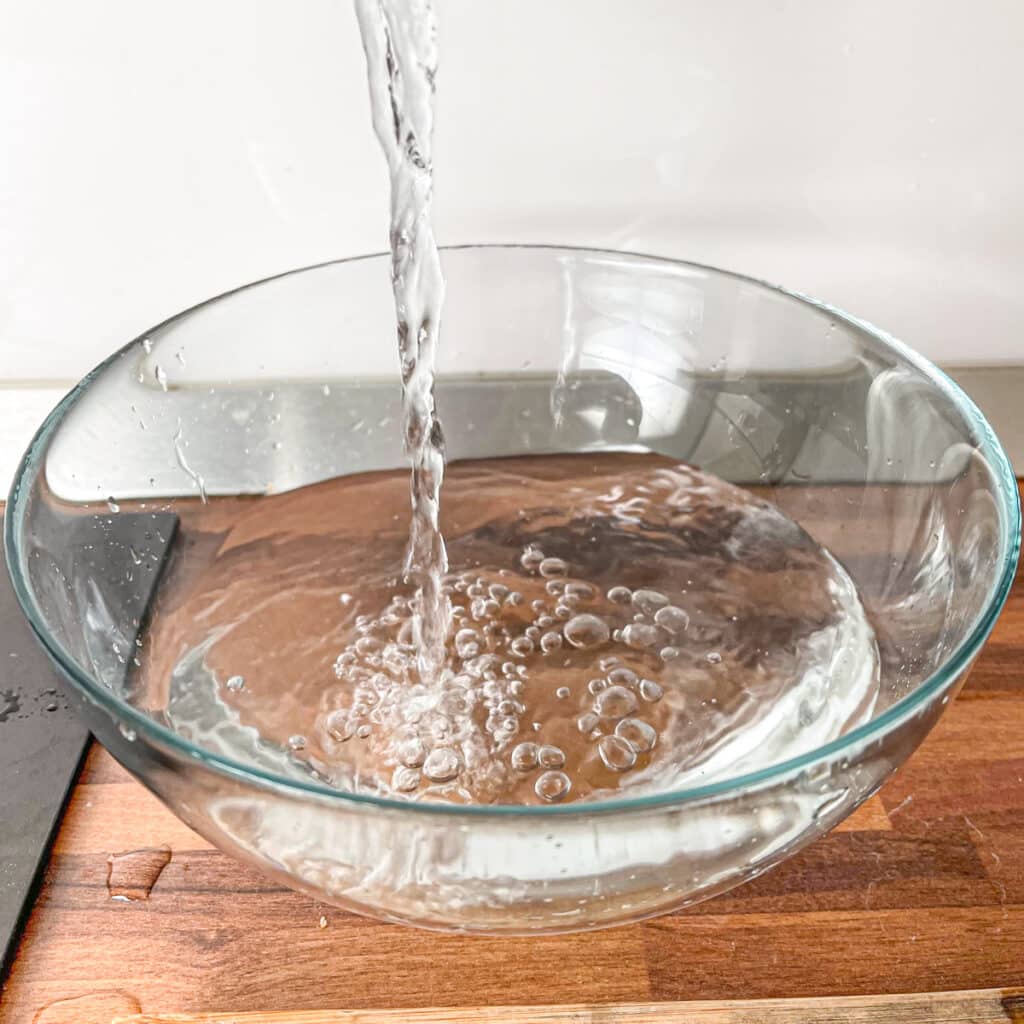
x=988 y=1006
x=921 y=891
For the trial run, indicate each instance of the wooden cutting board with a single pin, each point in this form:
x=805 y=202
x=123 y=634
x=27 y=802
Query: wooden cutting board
x=991 y=1006
x=921 y=891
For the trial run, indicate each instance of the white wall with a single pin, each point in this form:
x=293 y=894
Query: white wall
x=867 y=152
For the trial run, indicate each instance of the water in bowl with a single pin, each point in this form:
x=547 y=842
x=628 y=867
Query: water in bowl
x=622 y=624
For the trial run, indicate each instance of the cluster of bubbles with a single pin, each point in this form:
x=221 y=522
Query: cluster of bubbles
x=439 y=735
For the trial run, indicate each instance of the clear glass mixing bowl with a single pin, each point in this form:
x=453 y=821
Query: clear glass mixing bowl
x=871 y=449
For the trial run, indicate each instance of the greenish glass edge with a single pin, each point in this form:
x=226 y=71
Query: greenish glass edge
x=958 y=662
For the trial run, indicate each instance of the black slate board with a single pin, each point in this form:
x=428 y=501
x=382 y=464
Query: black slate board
x=42 y=742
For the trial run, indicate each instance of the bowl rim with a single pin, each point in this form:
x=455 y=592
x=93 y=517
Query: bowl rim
x=153 y=732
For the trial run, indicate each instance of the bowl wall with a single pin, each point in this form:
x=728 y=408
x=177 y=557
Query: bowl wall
x=876 y=454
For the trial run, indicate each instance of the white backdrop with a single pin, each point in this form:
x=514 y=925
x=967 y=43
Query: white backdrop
x=152 y=155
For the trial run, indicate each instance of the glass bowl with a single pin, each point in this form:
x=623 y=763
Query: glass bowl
x=148 y=464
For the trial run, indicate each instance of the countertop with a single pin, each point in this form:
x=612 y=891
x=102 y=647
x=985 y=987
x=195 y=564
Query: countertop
x=920 y=891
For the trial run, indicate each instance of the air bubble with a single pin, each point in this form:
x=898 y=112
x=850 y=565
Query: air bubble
x=674 y=619
x=553 y=786
x=524 y=757
x=595 y=686
x=553 y=567
x=550 y=642
x=638 y=734
x=236 y=683
x=639 y=635
x=669 y=653
x=549 y=756
x=649 y=601
x=616 y=753
x=467 y=643
x=622 y=676
x=441 y=765
x=563 y=692
x=650 y=690
x=620 y=595
x=297 y=742
x=615 y=702
x=405 y=779
x=531 y=558
x=412 y=753
x=586 y=631
x=587 y=723
x=521 y=646
x=713 y=658
x=579 y=591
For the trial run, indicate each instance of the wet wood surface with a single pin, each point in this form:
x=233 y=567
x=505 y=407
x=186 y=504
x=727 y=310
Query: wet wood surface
x=921 y=891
